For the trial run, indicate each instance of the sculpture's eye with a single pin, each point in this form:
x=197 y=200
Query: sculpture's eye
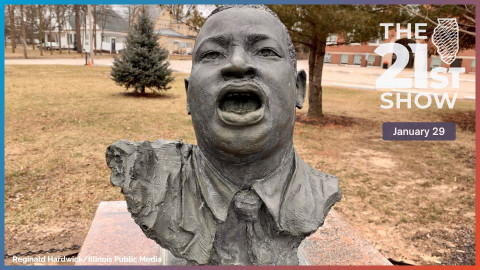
x=211 y=56
x=267 y=52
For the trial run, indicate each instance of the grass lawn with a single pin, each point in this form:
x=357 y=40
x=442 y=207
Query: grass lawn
x=415 y=201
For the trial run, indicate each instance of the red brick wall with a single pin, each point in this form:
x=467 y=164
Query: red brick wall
x=350 y=59
x=362 y=49
x=335 y=59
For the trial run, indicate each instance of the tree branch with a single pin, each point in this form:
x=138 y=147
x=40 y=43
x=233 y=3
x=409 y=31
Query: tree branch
x=433 y=22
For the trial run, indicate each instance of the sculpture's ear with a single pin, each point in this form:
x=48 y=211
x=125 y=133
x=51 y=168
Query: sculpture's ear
x=187 y=81
x=301 y=88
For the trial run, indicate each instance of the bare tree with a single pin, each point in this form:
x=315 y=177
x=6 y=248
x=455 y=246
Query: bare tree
x=7 y=27
x=195 y=20
x=23 y=32
x=465 y=15
x=78 y=38
x=186 y=14
x=94 y=13
x=60 y=16
x=131 y=11
x=49 y=18
x=104 y=12
x=90 y=33
x=40 y=27
x=11 y=16
x=30 y=18
x=68 y=14
x=179 y=12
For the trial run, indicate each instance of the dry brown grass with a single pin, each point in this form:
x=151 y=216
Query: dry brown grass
x=60 y=119
x=179 y=57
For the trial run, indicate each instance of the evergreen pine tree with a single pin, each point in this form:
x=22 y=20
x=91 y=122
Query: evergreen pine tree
x=143 y=63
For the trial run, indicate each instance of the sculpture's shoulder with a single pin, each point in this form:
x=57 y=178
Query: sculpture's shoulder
x=146 y=171
x=308 y=199
x=143 y=155
x=157 y=179
x=323 y=184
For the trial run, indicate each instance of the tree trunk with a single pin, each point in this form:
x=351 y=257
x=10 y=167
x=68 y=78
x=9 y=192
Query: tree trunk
x=94 y=29
x=68 y=40
x=315 y=65
x=90 y=34
x=143 y=90
x=104 y=22
x=23 y=35
x=77 y=29
x=59 y=41
x=40 y=29
x=11 y=15
x=31 y=16
x=50 y=38
x=59 y=35
x=101 y=44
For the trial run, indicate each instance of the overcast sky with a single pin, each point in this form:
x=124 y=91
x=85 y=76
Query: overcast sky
x=205 y=9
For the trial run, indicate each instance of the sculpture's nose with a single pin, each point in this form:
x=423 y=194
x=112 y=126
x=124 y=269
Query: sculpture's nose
x=239 y=65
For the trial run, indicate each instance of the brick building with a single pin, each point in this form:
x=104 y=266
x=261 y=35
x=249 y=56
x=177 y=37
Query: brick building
x=364 y=55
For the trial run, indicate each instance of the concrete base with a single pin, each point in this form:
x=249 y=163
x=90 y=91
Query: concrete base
x=115 y=239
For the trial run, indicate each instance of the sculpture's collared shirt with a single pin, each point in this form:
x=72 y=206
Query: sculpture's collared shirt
x=258 y=241
x=185 y=205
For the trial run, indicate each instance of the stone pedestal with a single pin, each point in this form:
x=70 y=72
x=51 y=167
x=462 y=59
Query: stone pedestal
x=115 y=239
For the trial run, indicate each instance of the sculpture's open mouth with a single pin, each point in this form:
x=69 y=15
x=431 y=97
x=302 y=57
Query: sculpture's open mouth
x=240 y=104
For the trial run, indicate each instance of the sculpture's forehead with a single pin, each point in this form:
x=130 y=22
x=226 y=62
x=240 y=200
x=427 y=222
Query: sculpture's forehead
x=241 y=22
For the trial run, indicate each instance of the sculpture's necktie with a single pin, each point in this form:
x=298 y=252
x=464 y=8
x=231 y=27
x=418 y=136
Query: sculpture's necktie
x=247 y=206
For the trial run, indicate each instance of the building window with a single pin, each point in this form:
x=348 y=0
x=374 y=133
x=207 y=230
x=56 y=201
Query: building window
x=436 y=62
x=332 y=39
x=456 y=63
x=178 y=27
x=189 y=45
x=170 y=42
x=327 y=58
x=370 y=60
x=165 y=25
x=344 y=59
x=357 y=59
x=473 y=63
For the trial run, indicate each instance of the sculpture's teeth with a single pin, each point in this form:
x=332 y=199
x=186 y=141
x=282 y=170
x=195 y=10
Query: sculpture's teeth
x=445 y=38
x=240 y=103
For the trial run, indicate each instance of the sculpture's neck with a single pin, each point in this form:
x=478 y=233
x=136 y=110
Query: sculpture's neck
x=244 y=172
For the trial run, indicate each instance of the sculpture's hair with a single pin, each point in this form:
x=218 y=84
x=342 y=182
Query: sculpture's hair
x=291 y=48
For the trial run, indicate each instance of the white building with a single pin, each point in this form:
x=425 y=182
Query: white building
x=111 y=39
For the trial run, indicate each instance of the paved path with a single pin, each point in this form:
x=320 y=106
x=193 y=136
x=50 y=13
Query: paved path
x=59 y=61
x=363 y=78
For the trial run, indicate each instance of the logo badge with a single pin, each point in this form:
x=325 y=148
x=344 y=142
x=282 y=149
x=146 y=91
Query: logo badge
x=445 y=38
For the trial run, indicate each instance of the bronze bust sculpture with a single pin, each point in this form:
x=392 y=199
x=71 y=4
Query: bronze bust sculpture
x=242 y=196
